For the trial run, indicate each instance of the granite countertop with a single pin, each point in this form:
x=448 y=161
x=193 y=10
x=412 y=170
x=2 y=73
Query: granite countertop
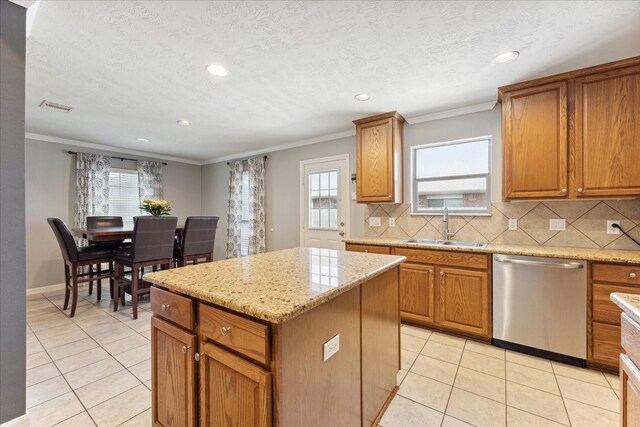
x=275 y=286
x=629 y=303
x=607 y=255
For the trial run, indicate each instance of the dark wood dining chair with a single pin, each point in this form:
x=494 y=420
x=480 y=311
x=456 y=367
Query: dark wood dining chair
x=196 y=242
x=74 y=258
x=101 y=222
x=151 y=246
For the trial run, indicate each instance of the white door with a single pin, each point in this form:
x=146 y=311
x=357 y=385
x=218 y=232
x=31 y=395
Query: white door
x=324 y=202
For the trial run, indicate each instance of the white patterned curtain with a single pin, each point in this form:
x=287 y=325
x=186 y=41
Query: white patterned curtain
x=149 y=180
x=246 y=218
x=92 y=187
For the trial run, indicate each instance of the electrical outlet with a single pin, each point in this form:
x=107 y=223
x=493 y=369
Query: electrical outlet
x=513 y=224
x=613 y=230
x=353 y=196
x=331 y=347
x=557 y=224
x=392 y=222
x=374 y=221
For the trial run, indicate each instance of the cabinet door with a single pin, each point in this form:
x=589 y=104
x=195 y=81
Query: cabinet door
x=630 y=399
x=374 y=165
x=464 y=300
x=173 y=374
x=417 y=299
x=535 y=144
x=233 y=391
x=607 y=133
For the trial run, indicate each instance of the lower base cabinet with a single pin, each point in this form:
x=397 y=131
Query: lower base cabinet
x=464 y=301
x=233 y=392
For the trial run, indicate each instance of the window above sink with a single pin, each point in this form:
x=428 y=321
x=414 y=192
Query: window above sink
x=454 y=174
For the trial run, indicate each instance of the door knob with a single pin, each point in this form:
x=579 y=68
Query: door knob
x=341 y=233
x=341 y=224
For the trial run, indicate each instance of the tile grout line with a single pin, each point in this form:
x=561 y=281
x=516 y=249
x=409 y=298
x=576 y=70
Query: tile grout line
x=453 y=385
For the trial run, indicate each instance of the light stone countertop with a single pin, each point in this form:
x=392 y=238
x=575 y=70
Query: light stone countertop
x=275 y=286
x=607 y=255
x=629 y=303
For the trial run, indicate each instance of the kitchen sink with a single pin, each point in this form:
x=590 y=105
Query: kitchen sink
x=446 y=243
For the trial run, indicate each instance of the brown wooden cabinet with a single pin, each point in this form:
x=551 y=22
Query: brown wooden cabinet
x=173 y=374
x=534 y=129
x=464 y=301
x=379 y=158
x=573 y=135
x=604 y=346
x=608 y=133
x=630 y=373
x=385 y=250
x=417 y=292
x=233 y=391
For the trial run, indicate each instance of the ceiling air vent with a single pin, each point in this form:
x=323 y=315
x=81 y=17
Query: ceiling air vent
x=56 y=107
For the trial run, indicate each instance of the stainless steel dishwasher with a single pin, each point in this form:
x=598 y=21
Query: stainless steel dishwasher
x=540 y=306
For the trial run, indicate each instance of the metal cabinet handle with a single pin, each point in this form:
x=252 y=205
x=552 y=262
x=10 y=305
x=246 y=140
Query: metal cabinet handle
x=225 y=331
x=366 y=251
x=185 y=348
x=564 y=190
x=579 y=190
x=165 y=307
x=198 y=356
x=442 y=273
x=632 y=275
x=568 y=265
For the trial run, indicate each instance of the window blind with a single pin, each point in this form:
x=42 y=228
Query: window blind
x=124 y=198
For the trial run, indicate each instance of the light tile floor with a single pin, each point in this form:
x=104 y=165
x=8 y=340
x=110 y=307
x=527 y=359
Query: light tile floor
x=449 y=381
x=94 y=369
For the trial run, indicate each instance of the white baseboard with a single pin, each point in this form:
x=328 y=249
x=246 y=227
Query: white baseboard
x=51 y=288
x=22 y=421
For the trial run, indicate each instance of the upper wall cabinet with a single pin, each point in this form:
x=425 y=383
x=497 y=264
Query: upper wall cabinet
x=573 y=135
x=379 y=158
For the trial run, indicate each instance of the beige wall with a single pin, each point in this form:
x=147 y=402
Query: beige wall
x=50 y=192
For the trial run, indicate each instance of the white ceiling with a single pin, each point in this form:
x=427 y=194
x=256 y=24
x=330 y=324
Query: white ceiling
x=133 y=68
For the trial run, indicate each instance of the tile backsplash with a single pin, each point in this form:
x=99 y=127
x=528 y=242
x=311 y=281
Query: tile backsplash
x=586 y=223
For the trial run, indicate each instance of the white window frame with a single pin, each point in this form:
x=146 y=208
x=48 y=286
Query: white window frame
x=127 y=171
x=486 y=211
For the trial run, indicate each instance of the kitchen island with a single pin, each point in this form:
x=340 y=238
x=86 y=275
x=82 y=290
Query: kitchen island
x=299 y=337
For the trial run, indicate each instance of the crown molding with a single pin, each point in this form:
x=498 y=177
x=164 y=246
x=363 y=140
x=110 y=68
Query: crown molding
x=485 y=106
x=266 y=150
x=112 y=149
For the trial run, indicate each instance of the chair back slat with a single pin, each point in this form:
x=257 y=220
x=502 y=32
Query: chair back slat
x=104 y=221
x=67 y=244
x=199 y=235
x=153 y=238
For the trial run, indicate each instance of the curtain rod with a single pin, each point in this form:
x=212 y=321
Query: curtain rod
x=114 y=157
x=264 y=157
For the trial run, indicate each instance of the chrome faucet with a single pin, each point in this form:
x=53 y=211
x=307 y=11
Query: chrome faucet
x=446 y=235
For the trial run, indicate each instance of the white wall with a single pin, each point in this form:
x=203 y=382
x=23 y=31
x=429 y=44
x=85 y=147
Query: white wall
x=283 y=180
x=50 y=192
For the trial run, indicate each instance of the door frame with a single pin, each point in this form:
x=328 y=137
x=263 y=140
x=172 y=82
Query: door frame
x=344 y=182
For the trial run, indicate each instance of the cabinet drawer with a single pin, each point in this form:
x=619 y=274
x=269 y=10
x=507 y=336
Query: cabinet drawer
x=242 y=335
x=385 y=250
x=629 y=274
x=606 y=343
x=173 y=307
x=605 y=310
x=452 y=258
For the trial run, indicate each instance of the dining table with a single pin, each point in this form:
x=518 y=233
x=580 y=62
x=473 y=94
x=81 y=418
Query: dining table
x=110 y=234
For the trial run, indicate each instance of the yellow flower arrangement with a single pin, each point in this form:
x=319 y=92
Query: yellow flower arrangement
x=156 y=207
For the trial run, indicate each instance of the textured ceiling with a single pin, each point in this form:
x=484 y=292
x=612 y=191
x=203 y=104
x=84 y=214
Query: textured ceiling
x=133 y=68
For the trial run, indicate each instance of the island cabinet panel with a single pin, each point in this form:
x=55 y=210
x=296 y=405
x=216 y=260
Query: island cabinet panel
x=604 y=346
x=607 y=133
x=417 y=292
x=310 y=391
x=534 y=128
x=242 y=335
x=630 y=373
x=464 y=297
x=233 y=391
x=173 y=375
x=380 y=344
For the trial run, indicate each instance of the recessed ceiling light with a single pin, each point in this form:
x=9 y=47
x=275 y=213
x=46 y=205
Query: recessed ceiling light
x=505 y=57
x=362 y=97
x=142 y=139
x=184 y=122
x=217 y=70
